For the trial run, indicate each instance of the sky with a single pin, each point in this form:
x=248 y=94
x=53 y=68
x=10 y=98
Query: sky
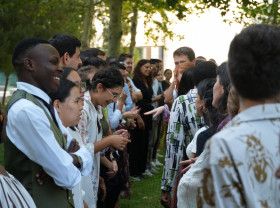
x=207 y=35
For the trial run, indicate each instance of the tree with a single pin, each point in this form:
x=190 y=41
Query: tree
x=41 y=18
x=248 y=11
x=115 y=28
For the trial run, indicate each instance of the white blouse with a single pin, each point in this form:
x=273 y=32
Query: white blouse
x=192 y=146
x=91 y=132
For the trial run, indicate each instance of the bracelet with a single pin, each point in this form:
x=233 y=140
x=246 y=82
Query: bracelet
x=113 y=159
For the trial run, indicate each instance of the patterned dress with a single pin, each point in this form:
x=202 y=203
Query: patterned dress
x=182 y=126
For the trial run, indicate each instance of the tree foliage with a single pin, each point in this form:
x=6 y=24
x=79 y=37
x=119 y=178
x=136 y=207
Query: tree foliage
x=248 y=11
x=20 y=19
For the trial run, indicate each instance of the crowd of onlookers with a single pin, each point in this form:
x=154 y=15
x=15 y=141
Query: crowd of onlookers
x=81 y=126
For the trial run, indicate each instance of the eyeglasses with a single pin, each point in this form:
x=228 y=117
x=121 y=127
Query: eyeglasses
x=114 y=96
x=81 y=85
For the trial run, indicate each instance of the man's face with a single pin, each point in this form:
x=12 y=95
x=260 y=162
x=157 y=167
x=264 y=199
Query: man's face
x=128 y=64
x=46 y=71
x=124 y=74
x=154 y=69
x=183 y=63
x=75 y=61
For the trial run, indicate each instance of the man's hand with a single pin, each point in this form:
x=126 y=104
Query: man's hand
x=165 y=199
x=74 y=146
x=43 y=178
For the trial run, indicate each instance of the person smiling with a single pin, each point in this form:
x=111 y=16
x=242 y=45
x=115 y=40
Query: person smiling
x=35 y=142
x=104 y=88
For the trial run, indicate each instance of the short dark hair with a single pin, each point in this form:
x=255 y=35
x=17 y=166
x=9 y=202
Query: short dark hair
x=109 y=77
x=154 y=61
x=124 y=56
x=66 y=72
x=94 y=61
x=65 y=43
x=22 y=47
x=118 y=65
x=203 y=70
x=63 y=90
x=92 y=52
x=186 y=82
x=254 y=61
x=85 y=70
x=185 y=51
x=137 y=72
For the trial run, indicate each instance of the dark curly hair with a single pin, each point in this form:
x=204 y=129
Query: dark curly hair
x=137 y=72
x=109 y=77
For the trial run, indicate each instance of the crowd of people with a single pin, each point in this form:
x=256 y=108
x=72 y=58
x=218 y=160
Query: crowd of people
x=81 y=127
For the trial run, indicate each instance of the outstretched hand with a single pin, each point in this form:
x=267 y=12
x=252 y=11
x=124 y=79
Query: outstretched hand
x=133 y=113
x=156 y=111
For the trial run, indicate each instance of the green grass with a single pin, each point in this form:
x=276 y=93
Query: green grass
x=145 y=193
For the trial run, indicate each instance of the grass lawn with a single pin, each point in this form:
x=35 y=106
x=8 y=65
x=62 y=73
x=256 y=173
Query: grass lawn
x=145 y=193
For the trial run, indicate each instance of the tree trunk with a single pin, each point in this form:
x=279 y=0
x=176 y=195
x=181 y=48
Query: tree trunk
x=87 y=24
x=133 y=31
x=115 y=28
x=275 y=11
x=5 y=89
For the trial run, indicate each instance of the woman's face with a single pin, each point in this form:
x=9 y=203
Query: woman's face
x=108 y=95
x=199 y=105
x=69 y=111
x=74 y=77
x=218 y=91
x=168 y=75
x=145 y=69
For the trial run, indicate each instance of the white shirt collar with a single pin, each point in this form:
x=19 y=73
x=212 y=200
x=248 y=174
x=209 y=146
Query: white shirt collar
x=33 y=90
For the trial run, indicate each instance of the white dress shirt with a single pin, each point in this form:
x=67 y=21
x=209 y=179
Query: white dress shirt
x=28 y=128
